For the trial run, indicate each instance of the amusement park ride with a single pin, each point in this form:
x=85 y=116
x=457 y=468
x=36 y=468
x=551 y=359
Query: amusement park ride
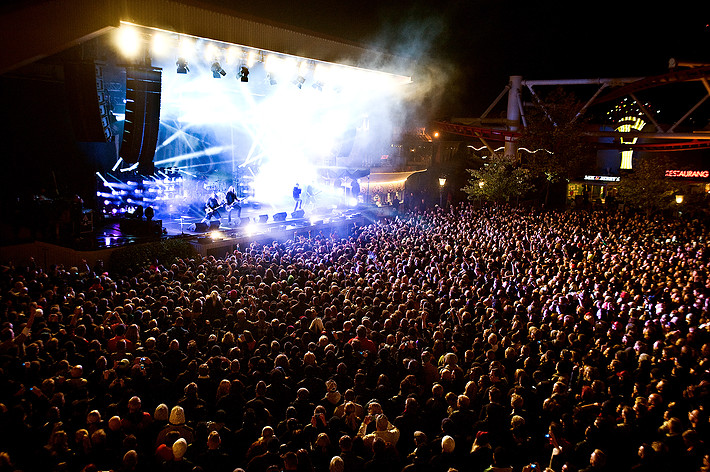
x=662 y=138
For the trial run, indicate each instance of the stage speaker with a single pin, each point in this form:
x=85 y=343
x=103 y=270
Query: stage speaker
x=214 y=224
x=201 y=227
x=140 y=128
x=298 y=214
x=263 y=218
x=243 y=221
x=89 y=101
x=280 y=216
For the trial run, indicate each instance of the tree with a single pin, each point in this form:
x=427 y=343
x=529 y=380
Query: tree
x=500 y=180
x=554 y=135
x=647 y=187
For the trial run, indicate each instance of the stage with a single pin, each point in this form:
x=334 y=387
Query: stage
x=254 y=225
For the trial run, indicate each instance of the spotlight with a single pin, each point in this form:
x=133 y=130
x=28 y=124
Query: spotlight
x=217 y=70
x=318 y=86
x=272 y=79
x=182 y=66
x=243 y=74
x=298 y=81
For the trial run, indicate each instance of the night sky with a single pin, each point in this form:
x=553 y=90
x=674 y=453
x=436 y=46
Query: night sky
x=485 y=42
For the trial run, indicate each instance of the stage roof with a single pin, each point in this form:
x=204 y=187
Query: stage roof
x=39 y=30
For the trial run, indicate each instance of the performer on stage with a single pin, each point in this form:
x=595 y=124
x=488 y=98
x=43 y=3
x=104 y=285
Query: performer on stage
x=311 y=196
x=297 y=197
x=232 y=203
x=212 y=208
x=355 y=189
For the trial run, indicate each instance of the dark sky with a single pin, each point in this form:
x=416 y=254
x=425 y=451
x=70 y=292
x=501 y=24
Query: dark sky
x=485 y=42
x=488 y=41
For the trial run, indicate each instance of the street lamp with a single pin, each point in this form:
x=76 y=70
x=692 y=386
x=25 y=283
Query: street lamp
x=679 y=199
x=442 y=182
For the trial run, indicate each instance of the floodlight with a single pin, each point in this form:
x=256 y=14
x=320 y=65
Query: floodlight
x=298 y=81
x=182 y=66
x=217 y=71
x=243 y=74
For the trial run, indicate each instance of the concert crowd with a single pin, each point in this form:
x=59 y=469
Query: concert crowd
x=465 y=339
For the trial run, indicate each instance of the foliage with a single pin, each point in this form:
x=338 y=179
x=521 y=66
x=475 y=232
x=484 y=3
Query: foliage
x=501 y=180
x=140 y=255
x=555 y=127
x=647 y=187
x=455 y=169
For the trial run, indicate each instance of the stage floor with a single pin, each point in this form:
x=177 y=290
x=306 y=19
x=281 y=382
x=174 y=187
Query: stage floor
x=119 y=232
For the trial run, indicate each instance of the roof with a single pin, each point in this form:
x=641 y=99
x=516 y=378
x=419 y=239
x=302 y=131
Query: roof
x=47 y=28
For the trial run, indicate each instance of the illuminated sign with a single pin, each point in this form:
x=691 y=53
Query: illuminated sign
x=602 y=178
x=688 y=174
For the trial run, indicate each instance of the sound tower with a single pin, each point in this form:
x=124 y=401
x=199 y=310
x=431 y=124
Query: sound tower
x=140 y=128
x=90 y=102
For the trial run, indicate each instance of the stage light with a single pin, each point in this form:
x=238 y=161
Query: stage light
x=186 y=47
x=243 y=74
x=233 y=55
x=182 y=66
x=273 y=63
x=160 y=44
x=211 y=52
x=298 y=81
x=252 y=57
x=318 y=86
x=217 y=71
x=129 y=41
x=271 y=78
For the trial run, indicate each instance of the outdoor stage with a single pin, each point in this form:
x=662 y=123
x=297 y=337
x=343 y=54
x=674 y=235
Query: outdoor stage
x=257 y=226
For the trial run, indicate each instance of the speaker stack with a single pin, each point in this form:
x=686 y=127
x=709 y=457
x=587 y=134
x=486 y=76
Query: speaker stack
x=140 y=128
x=89 y=100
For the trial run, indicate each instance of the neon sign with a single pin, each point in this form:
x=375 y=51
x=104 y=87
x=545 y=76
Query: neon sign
x=688 y=173
x=602 y=178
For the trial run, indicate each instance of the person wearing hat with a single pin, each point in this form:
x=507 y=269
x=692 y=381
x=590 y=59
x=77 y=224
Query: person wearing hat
x=176 y=423
x=383 y=429
x=179 y=462
x=331 y=399
x=160 y=420
x=445 y=459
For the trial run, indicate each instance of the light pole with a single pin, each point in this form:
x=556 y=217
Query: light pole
x=442 y=182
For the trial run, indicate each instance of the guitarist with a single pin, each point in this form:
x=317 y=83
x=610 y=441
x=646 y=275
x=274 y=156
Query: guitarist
x=232 y=203
x=212 y=208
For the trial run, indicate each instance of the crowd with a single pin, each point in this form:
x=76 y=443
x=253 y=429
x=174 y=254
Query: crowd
x=491 y=339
